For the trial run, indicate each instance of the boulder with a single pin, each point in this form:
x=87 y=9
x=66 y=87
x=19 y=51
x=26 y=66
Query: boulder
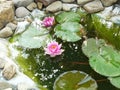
x=12 y=26
x=6 y=32
x=40 y=5
x=32 y=6
x=83 y=1
x=108 y=2
x=94 y=6
x=68 y=1
x=5 y=85
x=21 y=12
x=54 y=7
x=46 y=2
x=6 y=13
x=9 y=71
x=68 y=7
x=19 y=3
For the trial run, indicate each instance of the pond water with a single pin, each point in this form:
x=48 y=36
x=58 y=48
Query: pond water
x=44 y=70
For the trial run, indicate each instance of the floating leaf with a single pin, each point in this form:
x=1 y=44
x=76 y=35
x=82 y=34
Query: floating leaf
x=103 y=58
x=75 y=80
x=69 y=31
x=91 y=46
x=33 y=38
x=115 y=81
x=68 y=17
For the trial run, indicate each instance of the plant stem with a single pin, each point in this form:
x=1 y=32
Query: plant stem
x=102 y=80
x=81 y=63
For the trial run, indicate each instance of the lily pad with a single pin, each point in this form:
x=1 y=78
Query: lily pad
x=103 y=58
x=91 y=46
x=33 y=38
x=69 y=31
x=115 y=81
x=68 y=17
x=75 y=80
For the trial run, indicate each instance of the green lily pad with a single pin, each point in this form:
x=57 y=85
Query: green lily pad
x=68 y=17
x=115 y=81
x=91 y=46
x=75 y=80
x=103 y=58
x=33 y=38
x=69 y=31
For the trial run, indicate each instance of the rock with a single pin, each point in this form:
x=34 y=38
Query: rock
x=32 y=6
x=37 y=13
x=83 y=1
x=68 y=1
x=46 y=2
x=21 y=12
x=6 y=32
x=3 y=48
x=12 y=26
x=19 y=3
x=68 y=7
x=8 y=89
x=2 y=63
x=54 y=7
x=39 y=4
x=5 y=85
x=6 y=13
x=108 y=2
x=9 y=71
x=25 y=86
x=93 y=6
x=21 y=27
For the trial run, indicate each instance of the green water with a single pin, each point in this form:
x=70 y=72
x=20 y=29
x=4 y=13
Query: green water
x=44 y=70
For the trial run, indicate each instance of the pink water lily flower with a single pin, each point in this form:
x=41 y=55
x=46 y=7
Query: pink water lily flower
x=48 y=21
x=53 y=49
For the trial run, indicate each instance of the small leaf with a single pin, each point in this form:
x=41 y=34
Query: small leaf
x=69 y=31
x=115 y=81
x=74 y=80
x=33 y=38
x=68 y=17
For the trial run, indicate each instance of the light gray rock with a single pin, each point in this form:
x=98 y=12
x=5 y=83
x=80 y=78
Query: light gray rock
x=108 y=2
x=9 y=71
x=40 y=5
x=12 y=26
x=6 y=13
x=93 y=6
x=5 y=85
x=8 y=89
x=32 y=6
x=21 y=12
x=2 y=63
x=25 y=86
x=19 y=3
x=6 y=32
x=54 y=7
x=68 y=1
x=83 y=1
x=46 y=2
x=68 y=7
